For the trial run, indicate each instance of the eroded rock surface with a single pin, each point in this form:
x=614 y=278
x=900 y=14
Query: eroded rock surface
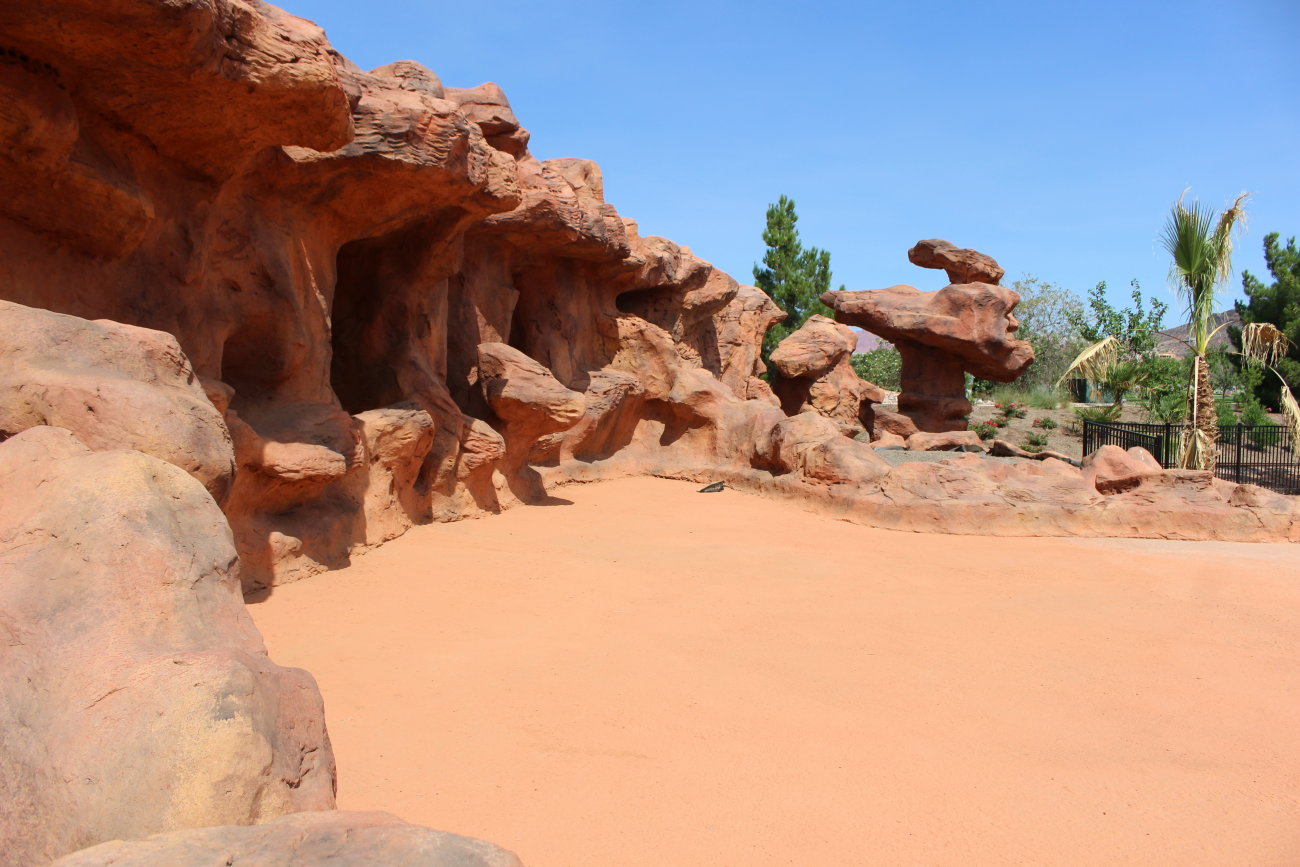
x=337 y=838
x=400 y=315
x=811 y=370
x=115 y=386
x=135 y=693
x=965 y=327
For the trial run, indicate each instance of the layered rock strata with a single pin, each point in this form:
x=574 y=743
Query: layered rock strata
x=967 y=326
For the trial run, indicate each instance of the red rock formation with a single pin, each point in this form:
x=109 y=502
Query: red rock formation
x=402 y=316
x=114 y=386
x=135 y=693
x=811 y=370
x=961 y=265
x=966 y=326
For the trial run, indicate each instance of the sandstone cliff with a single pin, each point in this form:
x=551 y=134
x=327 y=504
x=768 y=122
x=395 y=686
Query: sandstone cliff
x=346 y=302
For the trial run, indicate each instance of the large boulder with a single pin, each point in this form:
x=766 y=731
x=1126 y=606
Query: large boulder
x=136 y=695
x=340 y=839
x=811 y=371
x=115 y=386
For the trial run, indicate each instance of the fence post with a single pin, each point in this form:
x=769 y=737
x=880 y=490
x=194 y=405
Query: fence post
x=1164 y=448
x=1237 y=468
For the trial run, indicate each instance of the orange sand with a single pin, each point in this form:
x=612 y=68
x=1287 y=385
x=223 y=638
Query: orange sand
x=652 y=676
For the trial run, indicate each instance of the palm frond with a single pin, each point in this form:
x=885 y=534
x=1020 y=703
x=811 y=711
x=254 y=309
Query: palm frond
x=1200 y=247
x=1263 y=343
x=1223 y=236
x=1094 y=361
x=1291 y=415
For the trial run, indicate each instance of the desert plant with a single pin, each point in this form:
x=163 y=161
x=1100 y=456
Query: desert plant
x=1201 y=248
x=1038 y=397
x=1121 y=378
x=1166 y=407
x=1034 y=441
x=1011 y=410
x=1098 y=413
x=985 y=429
x=1045 y=423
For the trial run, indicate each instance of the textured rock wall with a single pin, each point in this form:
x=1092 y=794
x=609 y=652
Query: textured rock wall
x=135 y=693
x=346 y=302
x=330 y=247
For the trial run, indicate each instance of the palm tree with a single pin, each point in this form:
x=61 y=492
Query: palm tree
x=1201 y=247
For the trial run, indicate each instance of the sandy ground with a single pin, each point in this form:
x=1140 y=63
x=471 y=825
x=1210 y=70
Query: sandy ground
x=652 y=676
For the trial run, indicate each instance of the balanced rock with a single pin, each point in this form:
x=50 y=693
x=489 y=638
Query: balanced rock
x=961 y=265
x=964 y=327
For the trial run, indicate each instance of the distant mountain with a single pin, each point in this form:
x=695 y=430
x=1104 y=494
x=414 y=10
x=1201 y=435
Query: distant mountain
x=867 y=341
x=1170 y=342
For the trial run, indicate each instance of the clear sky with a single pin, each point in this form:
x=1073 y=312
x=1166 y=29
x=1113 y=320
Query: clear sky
x=1053 y=137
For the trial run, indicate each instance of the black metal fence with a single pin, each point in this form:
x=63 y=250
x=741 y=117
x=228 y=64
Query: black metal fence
x=1258 y=454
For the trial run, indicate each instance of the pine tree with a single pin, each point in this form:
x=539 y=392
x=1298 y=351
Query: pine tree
x=1279 y=303
x=793 y=277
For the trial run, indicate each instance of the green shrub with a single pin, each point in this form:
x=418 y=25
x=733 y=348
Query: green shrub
x=1168 y=407
x=1045 y=423
x=1223 y=408
x=985 y=429
x=882 y=365
x=1253 y=414
x=1098 y=413
x=1034 y=441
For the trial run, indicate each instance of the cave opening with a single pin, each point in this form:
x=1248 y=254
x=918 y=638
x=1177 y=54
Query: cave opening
x=368 y=327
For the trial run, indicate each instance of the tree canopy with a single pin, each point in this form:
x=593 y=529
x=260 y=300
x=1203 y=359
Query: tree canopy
x=1278 y=303
x=1134 y=327
x=1047 y=315
x=792 y=276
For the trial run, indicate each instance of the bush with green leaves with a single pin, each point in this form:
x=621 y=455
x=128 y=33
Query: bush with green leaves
x=1135 y=327
x=1034 y=441
x=1226 y=416
x=985 y=429
x=1045 y=423
x=1098 y=413
x=1266 y=432
x=882 y=365
x=1165 y=407
x=1045 y=313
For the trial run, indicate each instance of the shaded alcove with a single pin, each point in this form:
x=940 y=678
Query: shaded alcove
x=254 y=361
x=388 y=317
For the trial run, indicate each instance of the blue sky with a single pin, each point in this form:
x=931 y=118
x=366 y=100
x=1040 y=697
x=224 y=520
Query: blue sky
x=1053 y=137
